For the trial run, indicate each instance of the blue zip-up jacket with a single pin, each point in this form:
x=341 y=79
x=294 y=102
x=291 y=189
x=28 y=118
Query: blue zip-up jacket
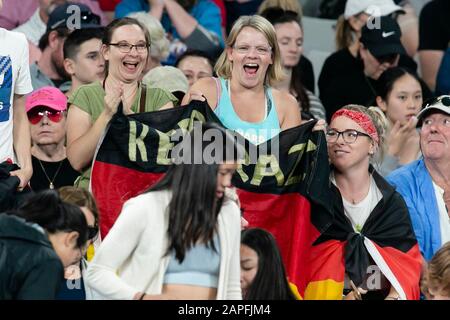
x=414 y=183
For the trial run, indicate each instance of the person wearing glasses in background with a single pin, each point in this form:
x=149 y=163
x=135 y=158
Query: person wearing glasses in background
x=46 y=111
x=125 y=48
x=248 y=67
x=73 y=286
x=425 y=183
x=365 y=206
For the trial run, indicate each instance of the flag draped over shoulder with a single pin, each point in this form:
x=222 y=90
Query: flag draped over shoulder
x=284 y=189
x=385 y=245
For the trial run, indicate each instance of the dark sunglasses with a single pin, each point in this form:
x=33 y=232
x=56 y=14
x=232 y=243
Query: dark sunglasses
x=445 y=100
x=36 y=115
x=93 y=232
x=390 y=58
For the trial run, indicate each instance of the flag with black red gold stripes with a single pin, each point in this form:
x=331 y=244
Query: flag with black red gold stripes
x=283 y=186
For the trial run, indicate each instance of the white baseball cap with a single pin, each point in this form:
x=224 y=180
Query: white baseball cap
x=375 y=8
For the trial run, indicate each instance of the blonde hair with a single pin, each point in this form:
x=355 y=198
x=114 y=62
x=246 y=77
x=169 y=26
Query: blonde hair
x=287 y=5
x=159 y=44
x=379 y=120
x=437 y=276
x=275 y=71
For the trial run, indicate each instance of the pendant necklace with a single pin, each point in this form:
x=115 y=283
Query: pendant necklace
x=51 y=185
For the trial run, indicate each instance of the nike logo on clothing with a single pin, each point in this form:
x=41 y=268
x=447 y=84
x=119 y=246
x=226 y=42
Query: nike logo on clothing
x=387 y=34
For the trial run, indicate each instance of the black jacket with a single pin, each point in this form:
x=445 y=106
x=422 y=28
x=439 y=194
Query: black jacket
x=29 y=267
x=342 y=81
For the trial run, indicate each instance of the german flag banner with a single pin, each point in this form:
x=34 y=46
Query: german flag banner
x=383 y=253
x=283 y=189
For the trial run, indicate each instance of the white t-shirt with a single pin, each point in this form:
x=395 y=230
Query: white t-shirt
x=359 y=212
x=444 y=219
x=33 y=29
x=14 y=79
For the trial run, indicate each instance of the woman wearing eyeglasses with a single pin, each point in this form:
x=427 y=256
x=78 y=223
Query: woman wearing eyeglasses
x=125 y=49
x=46 y=110
x=371 y=249
x=242 y=96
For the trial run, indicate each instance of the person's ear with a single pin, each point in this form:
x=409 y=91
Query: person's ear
x=104 y=50
x=372 y=148
x=70 y=239
x=229 y=54
x=69 y=66
x=381 y=104
x=53 y=39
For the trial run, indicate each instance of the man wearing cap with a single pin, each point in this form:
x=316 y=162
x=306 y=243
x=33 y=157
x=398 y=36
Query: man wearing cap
x=34 y=27
x=14 y=85
x=348 y=80
x=46 y=111
x=49 y=69
x=425 y=183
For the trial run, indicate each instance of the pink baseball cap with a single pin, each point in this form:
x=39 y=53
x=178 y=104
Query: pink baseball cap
x=49 y=97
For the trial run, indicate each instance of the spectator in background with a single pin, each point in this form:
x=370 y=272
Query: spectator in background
x=125 y=48
x=425 y=183
x=15 y=83
x=434 y=33
x=263 y=276
x=191 y=24
x=169 y=79
x=355 y=16
x=160 y=45
x=14 y=15
x=195 y=64
x=35 y=27
x=49 y=69
x=399 y=96
x=37 y=241
x=290 y=40
x=305 y=68
x=46 y=110
x=83 y=61
x=73 y=286
x=238 y=8
x=346 y=78
x=436 y=281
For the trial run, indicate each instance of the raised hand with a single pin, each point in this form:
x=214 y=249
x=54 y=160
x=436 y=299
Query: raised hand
x=400 y=134
x=114 y=93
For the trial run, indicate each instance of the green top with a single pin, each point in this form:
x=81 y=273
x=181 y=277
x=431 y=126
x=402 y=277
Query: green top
x=90 y=98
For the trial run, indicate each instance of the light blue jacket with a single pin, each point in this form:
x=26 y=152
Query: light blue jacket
x=414 y=183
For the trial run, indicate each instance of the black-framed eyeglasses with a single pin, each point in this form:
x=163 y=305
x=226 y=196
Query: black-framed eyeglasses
x=444 y=100
x=93 y=232
x=348 y=135
x=126 y=47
